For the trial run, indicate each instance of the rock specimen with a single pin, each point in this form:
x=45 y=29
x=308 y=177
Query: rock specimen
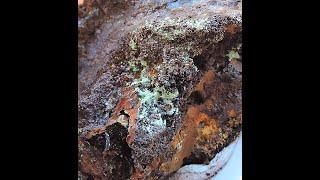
x=168 y=95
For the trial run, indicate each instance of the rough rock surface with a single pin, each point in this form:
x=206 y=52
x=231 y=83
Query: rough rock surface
x=159 y=86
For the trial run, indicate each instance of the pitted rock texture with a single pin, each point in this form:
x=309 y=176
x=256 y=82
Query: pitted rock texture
x=168 y=94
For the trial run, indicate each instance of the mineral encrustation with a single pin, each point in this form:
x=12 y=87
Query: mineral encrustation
x=159 y=86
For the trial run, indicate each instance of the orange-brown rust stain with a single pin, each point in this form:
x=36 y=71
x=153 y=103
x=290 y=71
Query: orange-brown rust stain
x=126 y=104
x=206 y=79
x=153 y=72
x=232 y=113
x=183 y=142
x=232 y=28
x=137 y=174
x=133 y=113
x=209 y=104
x=191 y=130
x=206 y=126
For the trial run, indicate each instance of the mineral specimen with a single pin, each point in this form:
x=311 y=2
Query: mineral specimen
x=168 y=95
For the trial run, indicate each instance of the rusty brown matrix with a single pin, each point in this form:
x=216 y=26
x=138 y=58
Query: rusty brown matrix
x=165 y=92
